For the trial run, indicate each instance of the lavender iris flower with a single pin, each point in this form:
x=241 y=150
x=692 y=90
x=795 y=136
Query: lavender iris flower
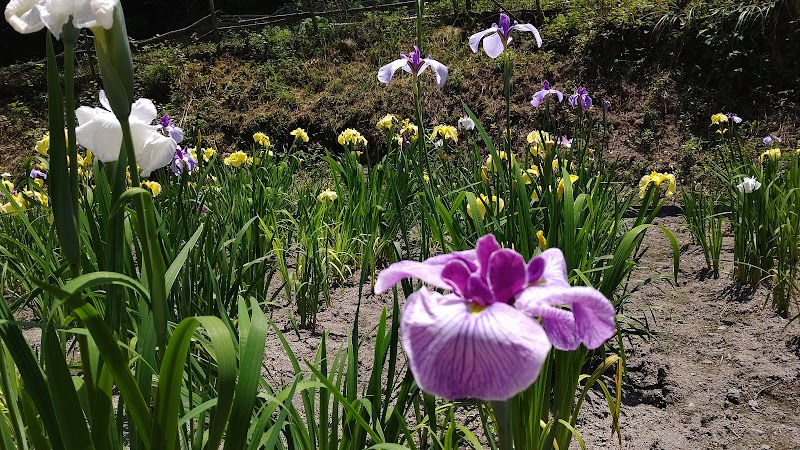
x=771 y=138
x=183 y=161
x=607 y=106
x=496 y=39
x=736 y=119
x=415 y=64
x=169 y=127
x=482 y=339
x=565 y=142
x=581 y=96
x=36 y=173
x=538 y=98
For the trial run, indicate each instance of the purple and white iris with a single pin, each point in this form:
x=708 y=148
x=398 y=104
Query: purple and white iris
x=736 y=119
x=413 y=64
x=482 y=339
x=770 y=139
x=581 y=97
x=539 y=97
x=496 y=39
x=36 y=173
x=171 y=130
x=183 y=161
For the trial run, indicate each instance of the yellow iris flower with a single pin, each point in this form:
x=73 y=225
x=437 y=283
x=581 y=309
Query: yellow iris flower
x=263 y=139
x=572 y=180
x=43 y=145
x=541 y=142
x=235 y=159
x=482 y=202
x=446 y=132
x=503 y=157
x=409 y=129
x=208 y=153
x=387 y=122
x=327 y=195
x=657 y=179
x=719 y=118
x=352 y=138
x=542 y=240
x=773 y=154
x=299 y=134
x=153 y=186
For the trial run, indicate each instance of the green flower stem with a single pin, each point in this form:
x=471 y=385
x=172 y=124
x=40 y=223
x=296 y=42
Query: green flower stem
x=154 y=264
x=69 y=36
x=58 y=182
x=502 y=414
x=508 y=67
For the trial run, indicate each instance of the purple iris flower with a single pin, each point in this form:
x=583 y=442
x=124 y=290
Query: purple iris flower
x=496 y=39
x=415 y=64
x=482 y=339
x=581 y=96
x=607 y=106
x=538 y=98
x=769 y=139
x=36 y=173
x=183 y=161
x=172 y=130
x=565 y=142
x=736 y=119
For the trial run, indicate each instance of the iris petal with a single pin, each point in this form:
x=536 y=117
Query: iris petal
x=594 y=316
x=157 y=152
x=455 y=351
x=530 y=28
x=428 y=273
x=457 y=273
x=440 y=70
x=23 y=16
x=484 y=249
x=475 y=39
x=386 y=72
x=506 y=274
x=590 y=320
x=93 y=13
x=493 y=45
x=555 y=268
x=143 y=110
x=99 y=131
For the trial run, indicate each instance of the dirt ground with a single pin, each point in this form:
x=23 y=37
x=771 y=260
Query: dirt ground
x=722 y=371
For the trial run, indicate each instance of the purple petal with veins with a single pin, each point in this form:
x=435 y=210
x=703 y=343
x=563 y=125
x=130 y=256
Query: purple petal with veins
x=456 y=350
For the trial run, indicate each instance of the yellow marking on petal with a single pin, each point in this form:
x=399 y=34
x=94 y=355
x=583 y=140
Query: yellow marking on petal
x=475 y=308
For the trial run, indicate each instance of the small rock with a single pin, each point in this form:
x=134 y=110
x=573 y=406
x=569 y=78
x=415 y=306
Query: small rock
x=734 y=396
x=753 y=405
x=766 y=447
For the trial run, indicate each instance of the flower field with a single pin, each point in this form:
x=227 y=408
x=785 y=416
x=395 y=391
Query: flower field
x=444 y=285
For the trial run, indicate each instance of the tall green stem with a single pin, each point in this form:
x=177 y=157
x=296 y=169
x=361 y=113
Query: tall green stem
x=507 y=69
x=70 y=35
x=155 y=267
x=502 y=414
